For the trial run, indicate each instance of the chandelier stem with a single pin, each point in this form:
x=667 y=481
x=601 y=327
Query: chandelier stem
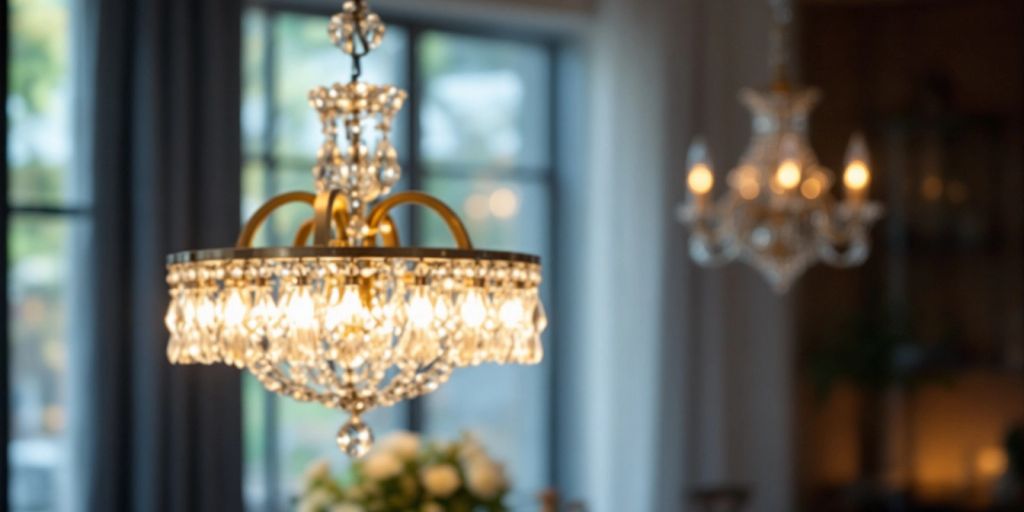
x=779 y=49
x=364 y=45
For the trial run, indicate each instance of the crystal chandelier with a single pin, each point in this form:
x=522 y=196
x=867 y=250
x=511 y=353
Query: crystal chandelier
x=778 y=213
x=354 y=320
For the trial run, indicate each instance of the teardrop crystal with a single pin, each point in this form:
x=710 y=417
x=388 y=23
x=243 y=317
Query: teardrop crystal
x=355 y=438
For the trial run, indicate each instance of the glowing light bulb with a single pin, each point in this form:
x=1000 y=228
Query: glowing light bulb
x=857 y=176
x=206 y=315
x=473 y=310
x=700 y=179
x=301 y=312
x=421 y=312
x=234 y=310
x=788 y=174
x=511 y=313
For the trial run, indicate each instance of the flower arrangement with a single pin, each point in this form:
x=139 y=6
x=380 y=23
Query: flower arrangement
x=403 y=474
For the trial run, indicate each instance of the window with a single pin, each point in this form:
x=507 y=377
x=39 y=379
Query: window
x=47 y=226
x=477 y=133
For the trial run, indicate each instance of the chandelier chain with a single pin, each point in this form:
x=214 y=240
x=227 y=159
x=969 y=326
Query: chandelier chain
x=778 y=56
x=364 y=45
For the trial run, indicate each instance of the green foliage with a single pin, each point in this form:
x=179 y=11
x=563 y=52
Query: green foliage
x=406 y=488
x=38 y=51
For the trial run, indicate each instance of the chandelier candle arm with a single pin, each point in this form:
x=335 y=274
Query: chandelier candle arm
x=354 y=320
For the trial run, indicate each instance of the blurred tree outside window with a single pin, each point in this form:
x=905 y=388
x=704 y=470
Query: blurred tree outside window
x=47 y=233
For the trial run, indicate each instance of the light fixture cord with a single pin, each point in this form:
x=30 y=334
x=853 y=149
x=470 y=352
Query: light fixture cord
x=363 y=47
x=778 y=56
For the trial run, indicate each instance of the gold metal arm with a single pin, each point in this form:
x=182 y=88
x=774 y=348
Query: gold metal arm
x=258 y=218
x=381 y=211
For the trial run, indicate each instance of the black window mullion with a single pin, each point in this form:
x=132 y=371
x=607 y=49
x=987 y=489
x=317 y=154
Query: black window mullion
x=415 y=409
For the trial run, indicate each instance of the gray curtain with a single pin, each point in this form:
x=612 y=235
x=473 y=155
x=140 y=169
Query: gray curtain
x=163 y=147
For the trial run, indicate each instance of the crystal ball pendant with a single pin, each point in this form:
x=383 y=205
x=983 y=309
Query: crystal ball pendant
x=355 y=438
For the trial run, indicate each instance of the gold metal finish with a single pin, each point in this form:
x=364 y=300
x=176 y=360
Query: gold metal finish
x=331 y=211
x=257 y=219
x=381 y=211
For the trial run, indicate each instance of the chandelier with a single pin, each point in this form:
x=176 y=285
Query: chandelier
x=778 y=213
x=347 y=316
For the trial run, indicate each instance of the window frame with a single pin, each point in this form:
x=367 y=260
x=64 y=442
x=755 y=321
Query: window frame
x=549 y=176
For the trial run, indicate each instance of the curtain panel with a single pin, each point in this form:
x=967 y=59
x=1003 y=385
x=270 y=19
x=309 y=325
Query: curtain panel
x=163 y=147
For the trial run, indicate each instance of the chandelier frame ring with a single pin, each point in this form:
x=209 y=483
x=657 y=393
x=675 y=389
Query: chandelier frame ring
x=267 y=253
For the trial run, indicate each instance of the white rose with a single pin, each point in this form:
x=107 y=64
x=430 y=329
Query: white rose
x=318 y=470
x=315 y=501
x=347 y=507
x=485 y=479
x=405 y=445
x=382 y=465
x=441 y=480
x=470 y=447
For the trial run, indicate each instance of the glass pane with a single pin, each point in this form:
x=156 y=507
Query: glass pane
x=486 y=104
x=42 y=299
x=499 y=214
x=39 y=105
x=255 y=107
x=304 y=58
x=511 y=415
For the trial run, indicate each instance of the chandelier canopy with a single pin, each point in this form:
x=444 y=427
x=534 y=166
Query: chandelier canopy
x=346 y=316
x=778 y=213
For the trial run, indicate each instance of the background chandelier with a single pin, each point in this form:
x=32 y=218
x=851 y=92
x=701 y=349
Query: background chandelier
x=354 y=321
x=778 y=213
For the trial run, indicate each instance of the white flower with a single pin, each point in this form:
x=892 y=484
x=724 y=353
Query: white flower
x=405 y=445
x=470 y=447
x=318 y=470
x=315 y=501
x=441 y=480
x=347 y=507
x=485 y=478
x=431 y=507
x=382 y=465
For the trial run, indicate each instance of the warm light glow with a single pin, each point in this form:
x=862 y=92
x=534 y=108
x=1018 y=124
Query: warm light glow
x=504 y=203
x=700 y=180
x=421 y=312
x=476 y=207
x=473 y=311
x=511 y=313
x=234 y=310
x=748 y=186
x=932 y=187
x=301 y=312
x=857 y=176
x=991 y=462
x=788 y=175
x=811 y=188
x=346 y=310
